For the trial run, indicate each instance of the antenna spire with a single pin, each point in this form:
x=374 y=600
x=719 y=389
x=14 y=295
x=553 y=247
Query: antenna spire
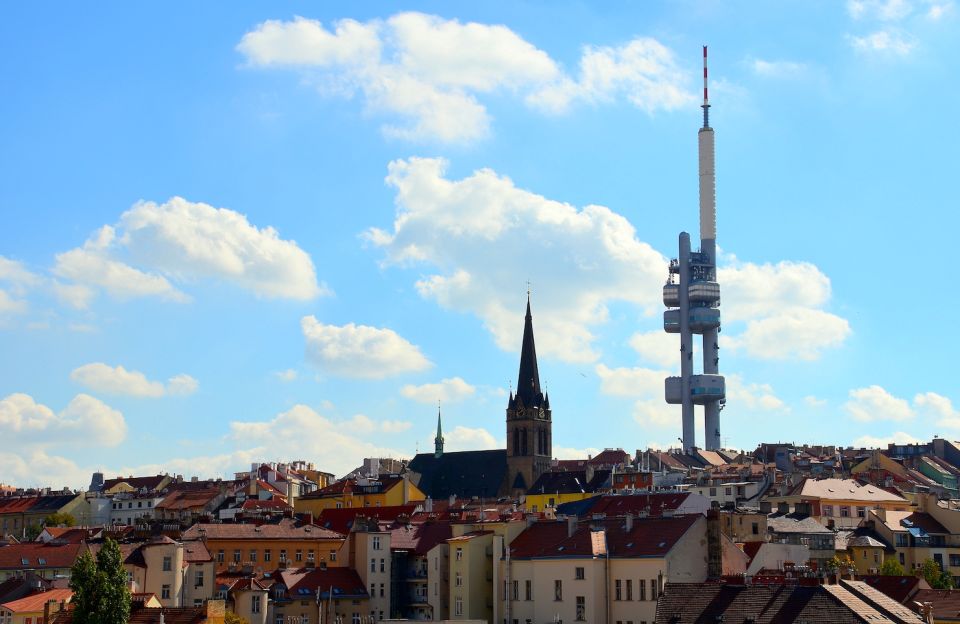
x=706 y=99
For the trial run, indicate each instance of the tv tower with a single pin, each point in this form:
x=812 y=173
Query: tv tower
x=693 y=304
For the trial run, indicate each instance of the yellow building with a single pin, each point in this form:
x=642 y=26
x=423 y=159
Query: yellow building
x=385 y=491
x=29 y=610
x=268 y=546
x=329 y=595
x=918 y=536
x=867 y=553
x=555 y=488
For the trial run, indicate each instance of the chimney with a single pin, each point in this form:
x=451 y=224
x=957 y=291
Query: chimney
x=628 y=522
x=783 y=508
x=428 y=505
x=571 y=525
x=765 y=507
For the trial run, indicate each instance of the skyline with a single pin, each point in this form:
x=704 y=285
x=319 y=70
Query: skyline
x=277 y=234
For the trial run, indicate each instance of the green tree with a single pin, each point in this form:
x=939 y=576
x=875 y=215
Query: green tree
x=32 y=532
x=232 y=618
x=937 y=578
x=891 y=567
x=59 y=519
x=840 y=563
x=101 y=595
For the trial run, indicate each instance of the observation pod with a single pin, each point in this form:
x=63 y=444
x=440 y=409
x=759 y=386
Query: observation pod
x=671 y=295
x=703 y=389
x=704 y=292
x=701 y=320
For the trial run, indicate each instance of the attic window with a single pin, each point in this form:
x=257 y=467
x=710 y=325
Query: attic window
x=559 y=547
x=42 y=561
x=661 y=544
x=629 y=544
x=24 y=561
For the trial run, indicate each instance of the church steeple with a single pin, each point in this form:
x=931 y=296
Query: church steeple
x=438 y=441
x=528 y=380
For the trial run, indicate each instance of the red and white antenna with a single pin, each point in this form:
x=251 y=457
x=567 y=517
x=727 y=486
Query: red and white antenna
x=706 y=99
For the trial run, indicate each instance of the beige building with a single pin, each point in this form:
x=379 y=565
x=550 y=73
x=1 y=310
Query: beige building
x=610 y=570
x=180 y=574
x=29 y=610
x=367 y=551
x=841 y=503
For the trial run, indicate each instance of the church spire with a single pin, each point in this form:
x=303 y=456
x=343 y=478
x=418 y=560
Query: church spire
x=438 y=441
x=528 y=381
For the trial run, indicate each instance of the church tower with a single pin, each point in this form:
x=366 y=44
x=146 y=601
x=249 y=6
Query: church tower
x=529 y=435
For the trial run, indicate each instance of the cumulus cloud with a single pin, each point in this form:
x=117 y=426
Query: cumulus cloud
x=24 y=422
x=869 y=441
x=184 y=242
x=447 y=391
x=799 y=333
x=657 y=347
x=427 y=74
x=566 y=452
x=117 y=380
x=15 y=273
x=883 y=41
x=752 y=396
x=286 y=375
x=776 y=69
x=630 y=382
x=579 y=259
x=9 y=305
x=360 y=351
x=938 y=406
x=462 y=438
x=875 y=403
x=814 y=402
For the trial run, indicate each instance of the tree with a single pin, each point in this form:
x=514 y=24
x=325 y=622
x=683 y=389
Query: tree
x=891 y=567
x=840 y=563
x=232 y=618
x=100 y=592
x=59 y=519
x=937 y=578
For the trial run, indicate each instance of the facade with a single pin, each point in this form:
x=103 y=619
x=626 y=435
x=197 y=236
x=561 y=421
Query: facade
x=18 y=513
x=268 y=546
x=369 y=556
x=317 y=595
x=46 y=561
x=556 y=488
x=841 y=503
x=127 y=508
x=388 y=490
x=30 y=609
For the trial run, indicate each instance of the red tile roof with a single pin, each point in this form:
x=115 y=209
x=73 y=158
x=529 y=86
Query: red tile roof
x=610 y=457
x=150 y=483
x=34 y=603
x=192 y=499
x=305 y=581
x=900 y=588
x=35 y=555
x=341 y=520
x=649 y=537
x=419 y=537
x=285 y=529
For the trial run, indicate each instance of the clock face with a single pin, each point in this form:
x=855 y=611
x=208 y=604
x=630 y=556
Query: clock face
x=520 y=412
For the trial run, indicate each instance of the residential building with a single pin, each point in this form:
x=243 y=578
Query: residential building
x=917 y=536
x=29 y=609
x=20 y=512
x=47 y=561
x=368 y=554
x=557 y=487
x=744 y=525
x=308 y=596
x=128 y=507
x=267 y=546
x=841 y=503
x=386 y=490
x=801 y=529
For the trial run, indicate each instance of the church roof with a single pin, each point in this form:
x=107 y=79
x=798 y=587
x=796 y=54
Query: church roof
x=465 y=473
x=528 y=380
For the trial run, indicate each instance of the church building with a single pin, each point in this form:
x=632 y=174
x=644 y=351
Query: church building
x=502 y=472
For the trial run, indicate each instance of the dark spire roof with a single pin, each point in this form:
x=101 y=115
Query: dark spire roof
x=528 y=381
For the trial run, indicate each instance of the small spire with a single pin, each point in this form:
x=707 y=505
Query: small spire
x=438 y=441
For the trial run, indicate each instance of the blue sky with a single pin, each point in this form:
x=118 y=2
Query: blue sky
x=247 y=231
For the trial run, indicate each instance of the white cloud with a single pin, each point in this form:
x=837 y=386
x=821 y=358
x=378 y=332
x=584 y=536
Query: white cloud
x=883 y=41
x=798 y=333
x=752 y=396
x=631 y=382
x=814 y=402
x=566 y=452
x=426 y=73
x=14 y=272
x=9 y=305
x=753 y=290
x=447 y=391
x=885 y=10
x=657 y=347
x=117 y=380
x=940 y=407
x=777 y=69
x=656 y=413
x=938 y=10
x=875 y=403
x=578 y=259
x=185 y=242
x=287 y=375
x=869 y=441
x=360 y=351
x=26 y=423
x=462 y=438
x=395 y=426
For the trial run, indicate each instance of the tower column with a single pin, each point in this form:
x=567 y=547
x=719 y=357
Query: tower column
x=686 y=347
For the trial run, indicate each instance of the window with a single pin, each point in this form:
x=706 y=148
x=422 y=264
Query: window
x=376 y=542
x=629 y=589
x=641 y=590
x=861 y=512
x=253 y=556
x=373 y=565
x=528 y=590
x=266 y=556
x=458 y=581
x=516 y=590
x=459 y=554
x=236 y=556
x=618 y=590
x=558 y=590
x=902 y=562
x=713 y=491
x=844 y=511
x=198 y=578
x=954 y=560
x=383 y=567
x=333 y=555
x=167 y=564
x=165 y=592
x=255 y=604
x=728 y=491
x=381 y=589
x=283 y=555
x=578 y=573
x=355 y=619
x=458 y=606
x=828 y=511
x=310 y=557
x=220 y=556
x=299 y=555
x=755 y=529
x=653 y=589
x=581 y=608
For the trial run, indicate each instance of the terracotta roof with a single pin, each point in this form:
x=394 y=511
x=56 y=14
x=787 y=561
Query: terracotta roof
x=35 y=555
x=765 y=604
x=341 y=520
x=352 y=486
x=900 y=588
x=71 y=535
x=195 y=551
x=906 y=520
x=254 y=503
x=34 y=504
x=34 y=603
x=147 y=615
x=150 y=483
x=880 y=601
x=945 y=603
x=654 y=504
x=305 y=582
x=844 y=489
x=188 y=499
x=610 y=457
x=711 y=457
x=649 y=537
x=285 y=529
x=418 y=537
